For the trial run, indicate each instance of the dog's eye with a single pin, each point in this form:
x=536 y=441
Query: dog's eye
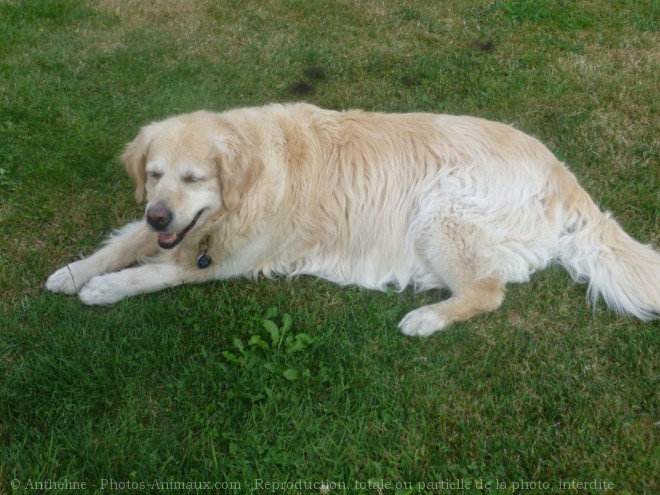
x=155 y=175
x=189 y=178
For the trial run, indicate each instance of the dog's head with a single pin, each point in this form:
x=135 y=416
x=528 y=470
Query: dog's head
x=190 y=167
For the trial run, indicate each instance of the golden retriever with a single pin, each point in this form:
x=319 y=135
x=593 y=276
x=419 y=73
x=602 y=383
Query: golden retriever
x=376 y=200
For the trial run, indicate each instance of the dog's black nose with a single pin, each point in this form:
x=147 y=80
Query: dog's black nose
x=158 y=216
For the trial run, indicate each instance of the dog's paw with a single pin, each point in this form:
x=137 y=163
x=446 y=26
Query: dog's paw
x=422 y=322
x=68 y=280
x=104 y=289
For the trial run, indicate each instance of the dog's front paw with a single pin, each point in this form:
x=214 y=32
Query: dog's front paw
x=422 y=322
x=104 y=289
x=69 y=279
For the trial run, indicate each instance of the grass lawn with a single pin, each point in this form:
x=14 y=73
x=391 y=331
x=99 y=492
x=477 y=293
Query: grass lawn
x=299 y=386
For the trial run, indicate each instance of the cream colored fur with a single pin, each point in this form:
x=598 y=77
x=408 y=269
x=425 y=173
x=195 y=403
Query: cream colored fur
x=376 y=200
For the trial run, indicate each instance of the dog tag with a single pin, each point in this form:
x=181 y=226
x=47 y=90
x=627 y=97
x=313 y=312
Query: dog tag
x=204 y=260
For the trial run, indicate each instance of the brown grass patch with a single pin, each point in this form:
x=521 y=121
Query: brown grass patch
x=186 y=16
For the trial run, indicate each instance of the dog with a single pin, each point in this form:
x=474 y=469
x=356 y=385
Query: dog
x=370 y=199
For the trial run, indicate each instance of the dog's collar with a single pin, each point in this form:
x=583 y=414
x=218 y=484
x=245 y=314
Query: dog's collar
x=204 y=260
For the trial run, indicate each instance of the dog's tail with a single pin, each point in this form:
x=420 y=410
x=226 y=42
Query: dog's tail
x=595 y=249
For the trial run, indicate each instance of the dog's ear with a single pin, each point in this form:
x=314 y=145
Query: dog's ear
x=239 y=166
x=134 y=159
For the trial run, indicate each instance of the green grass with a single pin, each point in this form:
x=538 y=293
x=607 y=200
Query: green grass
x=190 y=385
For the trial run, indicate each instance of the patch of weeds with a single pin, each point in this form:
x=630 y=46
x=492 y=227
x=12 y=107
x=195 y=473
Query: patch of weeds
x=272 y=347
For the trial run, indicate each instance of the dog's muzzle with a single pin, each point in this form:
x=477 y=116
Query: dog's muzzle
x=159 y=217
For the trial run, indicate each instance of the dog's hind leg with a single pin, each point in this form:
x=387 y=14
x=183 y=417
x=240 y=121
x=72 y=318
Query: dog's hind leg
x=124 y=248
x=479 y=297
x=455 y=255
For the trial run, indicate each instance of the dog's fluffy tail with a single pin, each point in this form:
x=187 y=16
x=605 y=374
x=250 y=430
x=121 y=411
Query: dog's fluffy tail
x=595 y=249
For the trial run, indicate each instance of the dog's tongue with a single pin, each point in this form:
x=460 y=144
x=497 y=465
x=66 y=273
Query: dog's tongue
x=167 y=238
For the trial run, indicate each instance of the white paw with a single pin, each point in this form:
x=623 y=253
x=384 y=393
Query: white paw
x=104 y=289
x=422 y=322
x=69 y=279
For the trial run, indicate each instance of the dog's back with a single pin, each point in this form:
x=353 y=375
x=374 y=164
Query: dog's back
x=364 y=190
